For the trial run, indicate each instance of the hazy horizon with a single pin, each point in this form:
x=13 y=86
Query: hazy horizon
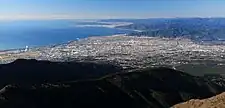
x=109 y=9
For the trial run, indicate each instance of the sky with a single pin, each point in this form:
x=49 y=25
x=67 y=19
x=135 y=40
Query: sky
x=104 y=9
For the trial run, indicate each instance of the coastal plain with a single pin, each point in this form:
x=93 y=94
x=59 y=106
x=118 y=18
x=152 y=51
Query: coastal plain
x=130 y=52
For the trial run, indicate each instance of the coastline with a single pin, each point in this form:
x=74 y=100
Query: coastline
x=105 y=24
x=127 y=51
x=99 y=28
x=115 y=25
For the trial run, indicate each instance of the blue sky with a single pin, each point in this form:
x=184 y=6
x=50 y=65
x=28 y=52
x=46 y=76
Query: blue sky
x=95 y=9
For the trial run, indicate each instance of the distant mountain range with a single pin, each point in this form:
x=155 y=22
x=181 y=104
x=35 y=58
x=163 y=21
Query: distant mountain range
x=197 y=29
x=44 y=84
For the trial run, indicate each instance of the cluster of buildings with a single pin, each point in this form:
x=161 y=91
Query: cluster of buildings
x=128 y=51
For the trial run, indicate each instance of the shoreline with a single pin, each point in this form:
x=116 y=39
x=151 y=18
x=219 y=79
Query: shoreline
x=113 y=25
x=128 y=51
x=207 y=43
x=108 y=25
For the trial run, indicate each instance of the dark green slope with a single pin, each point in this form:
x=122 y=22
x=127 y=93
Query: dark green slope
x=148 y=88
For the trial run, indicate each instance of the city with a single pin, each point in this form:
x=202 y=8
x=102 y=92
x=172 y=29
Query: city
x=127 y=51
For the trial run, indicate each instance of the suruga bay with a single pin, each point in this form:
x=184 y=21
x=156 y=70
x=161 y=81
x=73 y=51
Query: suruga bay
x=20 y=34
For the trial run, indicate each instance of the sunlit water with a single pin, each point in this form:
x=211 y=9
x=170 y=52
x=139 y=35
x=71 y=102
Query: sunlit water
x=18 y=34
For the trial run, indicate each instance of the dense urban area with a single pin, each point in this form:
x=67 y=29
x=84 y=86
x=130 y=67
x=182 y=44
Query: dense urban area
x=127 y=51
x=139 y=75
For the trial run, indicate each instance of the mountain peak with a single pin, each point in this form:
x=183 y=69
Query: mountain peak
x=213 y=102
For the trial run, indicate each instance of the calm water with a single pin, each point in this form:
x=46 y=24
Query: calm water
x=18 y=34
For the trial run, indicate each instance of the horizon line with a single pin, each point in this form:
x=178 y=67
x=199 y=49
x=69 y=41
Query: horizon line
x=3 y=19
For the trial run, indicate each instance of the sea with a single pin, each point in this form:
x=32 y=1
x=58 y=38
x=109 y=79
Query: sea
x=33 y=33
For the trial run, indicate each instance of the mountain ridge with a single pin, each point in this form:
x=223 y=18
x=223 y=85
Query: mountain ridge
x=197 y=29
x=151 y=87
x=215 y=102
